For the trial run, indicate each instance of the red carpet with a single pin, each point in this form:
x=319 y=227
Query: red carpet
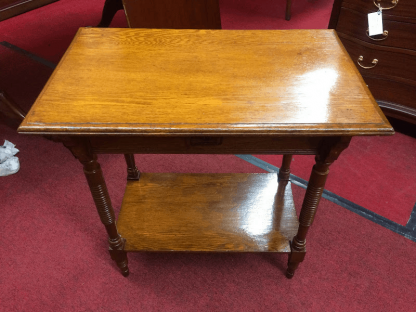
x=56 y=258
x=377 y=173
x=53 y=247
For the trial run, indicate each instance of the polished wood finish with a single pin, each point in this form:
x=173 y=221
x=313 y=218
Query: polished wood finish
x=132 y=172
x=207 y=212
x=393 y=80
x=10 y=8
x=132 y=91
x=393 y=92
x=392 y=63
x=284 y=172
x=10 y=113
x=162 y=14
x=80 y=148
x=400 y=35
x=326 y=156
x=178 y=14
x=307 y=90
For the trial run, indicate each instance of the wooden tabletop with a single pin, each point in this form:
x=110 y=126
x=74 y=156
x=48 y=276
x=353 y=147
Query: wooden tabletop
x=199 y=82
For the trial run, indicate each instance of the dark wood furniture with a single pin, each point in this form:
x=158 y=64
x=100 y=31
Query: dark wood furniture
x=288 y=14
x=387 y=62
x=10 y=8
x=206 y=92
x=11 y=114
x=180 y=14
x=110 y=8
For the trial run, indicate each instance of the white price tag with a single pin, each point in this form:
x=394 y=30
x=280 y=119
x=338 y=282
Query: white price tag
x=375 y=23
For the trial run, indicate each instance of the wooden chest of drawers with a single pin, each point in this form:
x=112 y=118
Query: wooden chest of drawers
x=387 y=62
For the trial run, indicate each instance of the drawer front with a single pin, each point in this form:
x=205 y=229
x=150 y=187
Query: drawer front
x=387 y=90
x=404 y=8
x=390 y=62
x=355 y=24
x=205 y=145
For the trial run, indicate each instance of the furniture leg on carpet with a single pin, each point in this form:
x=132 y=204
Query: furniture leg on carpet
x=288 y=7
x=316 y=185
x=81 y=149
x=132 y=172
x=284 y=172
x=111 y=7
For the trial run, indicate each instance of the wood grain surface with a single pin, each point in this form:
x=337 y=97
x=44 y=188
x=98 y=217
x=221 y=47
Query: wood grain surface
x=199 y=82
x=207 y=212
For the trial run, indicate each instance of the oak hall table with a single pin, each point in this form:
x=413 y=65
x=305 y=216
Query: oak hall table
x=206 y=92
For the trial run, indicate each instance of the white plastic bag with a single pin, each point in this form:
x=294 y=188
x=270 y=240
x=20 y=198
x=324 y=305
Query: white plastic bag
x=9 y=164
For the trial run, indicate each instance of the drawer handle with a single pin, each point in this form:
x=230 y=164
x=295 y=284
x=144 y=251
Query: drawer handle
x=205 y=141
x=385 y=35
x=361 y=58
x=395 y=2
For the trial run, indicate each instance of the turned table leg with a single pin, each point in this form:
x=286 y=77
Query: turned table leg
x=132 y=172
x=109 y=10
x=284 y=171
x=327 y=155
x=92 y=170
x=288 y=8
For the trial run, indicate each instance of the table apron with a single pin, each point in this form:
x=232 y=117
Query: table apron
x=205 y=145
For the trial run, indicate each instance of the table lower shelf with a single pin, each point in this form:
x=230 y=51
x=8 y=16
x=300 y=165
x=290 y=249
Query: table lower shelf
x=208 y=212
